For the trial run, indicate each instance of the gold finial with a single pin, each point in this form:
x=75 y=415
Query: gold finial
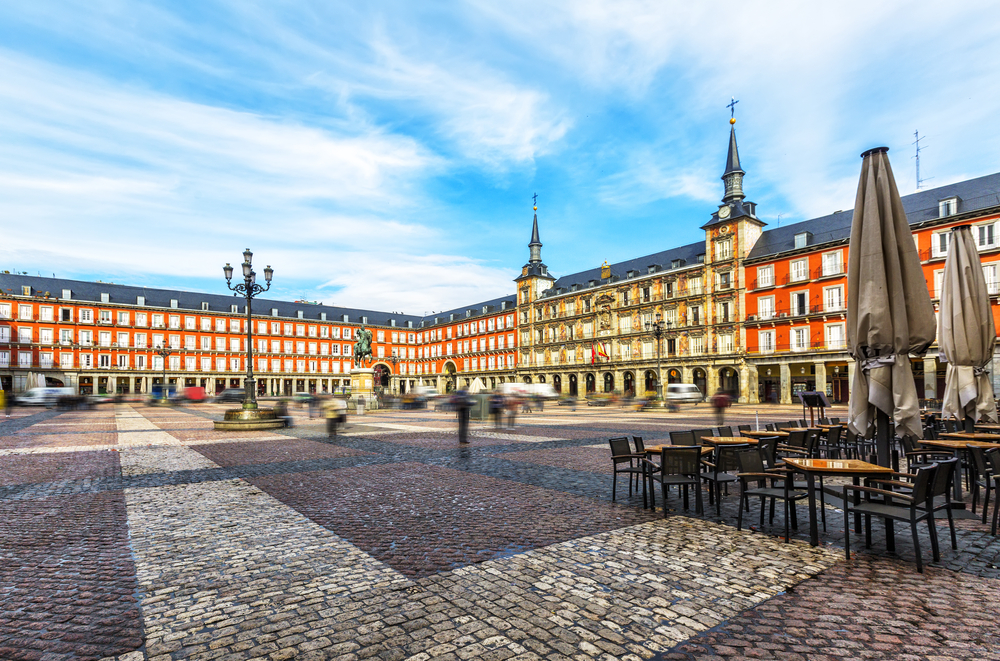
x=732 y=120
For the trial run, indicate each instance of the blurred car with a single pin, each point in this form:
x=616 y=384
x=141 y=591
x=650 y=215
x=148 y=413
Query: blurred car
x=231 y=395
x=681 y=393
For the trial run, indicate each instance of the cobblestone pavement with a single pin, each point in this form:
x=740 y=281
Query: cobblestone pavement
x=140 y=533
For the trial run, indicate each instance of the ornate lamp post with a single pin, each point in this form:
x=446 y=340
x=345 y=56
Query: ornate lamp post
x=394 y=359
x=250 y=289
x=249 y=417
x=657 y=329
x=163 y=352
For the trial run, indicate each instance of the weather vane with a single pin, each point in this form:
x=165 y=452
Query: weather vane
x=534 y=201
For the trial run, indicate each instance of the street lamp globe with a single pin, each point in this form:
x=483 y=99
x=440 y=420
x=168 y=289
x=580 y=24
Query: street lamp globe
x=228 y=270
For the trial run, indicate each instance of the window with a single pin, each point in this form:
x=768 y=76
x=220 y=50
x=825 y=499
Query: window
x=765 y=307
x=800 y=270
x=24 y=335
x=189 y=342
x=45 y=335
x=140 y=318
x=86 y=316
x=625 y=324
x=722 y=312
x=65 y=336
x=220 y=344
x=189 y=323
x=765 y=341
x=800 y=339
x=123 y=361
x=24 y=359
x=86 y=360
x=948 y=207
x=938 y=279
x=65 y=314
x=86 y=337
x=694 y=315
x=990 y=274
x=835 y=336
x=726 y=343
x=140 y=340
x=939 y=244
x=833 y=299
x=765 y=276
x=104 y=338
x=65 y=360
x=45 y=314
x=105 y=316
x=123 y=318
x=104 y=361
x=724 y=249
x=694 y=286
x=175 y=321
x=833 y=263
x=800 y=303
x=122 y=340
x=697 y=346
x=5 y=311
x=801 y=240
x=986 y=236
x=24 y=312
x=626 y=351
x=724 y=280
x=157 y=321
x=45 y=359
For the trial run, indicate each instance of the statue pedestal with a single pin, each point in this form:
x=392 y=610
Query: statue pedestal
x=363 y=389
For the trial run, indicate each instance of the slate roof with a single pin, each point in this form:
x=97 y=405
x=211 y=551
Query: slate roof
x=978 y=193
x=689 y=255
x=187 y=300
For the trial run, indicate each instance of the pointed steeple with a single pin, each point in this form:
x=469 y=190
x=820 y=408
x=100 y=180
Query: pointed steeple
x=733 y=176
x=536 y=243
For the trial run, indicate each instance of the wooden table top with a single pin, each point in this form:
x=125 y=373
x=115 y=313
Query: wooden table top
x=729 y=440
x=791 y=429
x=846 y=466
x=988 y=425
x=960 y=444
x=655 y=449
x=965 y=436
x=761 y=433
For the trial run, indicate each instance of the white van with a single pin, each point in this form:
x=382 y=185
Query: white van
x=43 y=396
x=679 y=393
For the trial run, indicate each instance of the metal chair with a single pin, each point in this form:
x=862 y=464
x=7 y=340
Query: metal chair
x=681 y=438
x=725 y=431
x=722 y=468
x=679 y=466
x=700 y=434
x=912 y=508
x=771 y=484
x=622 y=454
x=982 y=478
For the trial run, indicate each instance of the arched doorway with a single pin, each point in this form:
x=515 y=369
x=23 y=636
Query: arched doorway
x=674 y=376
x=650 y=379
x=381 y=375
x=574 y=387
x=700 y=380
x=527 y=379
x=628 y=384
x=557 y=383
x=541 y=378
x=591 y=384
x=450 y=370
x=609 y=382
x=729 y=382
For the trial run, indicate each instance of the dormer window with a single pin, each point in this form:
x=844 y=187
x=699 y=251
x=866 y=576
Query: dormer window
x=947 y=207
x=802 y=239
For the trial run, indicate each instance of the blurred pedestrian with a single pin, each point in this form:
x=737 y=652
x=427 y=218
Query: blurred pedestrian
x=335 y=412
x=496 y=409
x=281 y=412
x=463 y=405
x=720 y=402
x=512 y=405
x=8 y=401
x=313 y=405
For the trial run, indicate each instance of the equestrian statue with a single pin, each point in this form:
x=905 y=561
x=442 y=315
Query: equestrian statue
x=363 y=347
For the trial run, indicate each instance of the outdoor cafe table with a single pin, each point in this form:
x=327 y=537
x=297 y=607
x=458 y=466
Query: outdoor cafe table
x=853 y=468
x=960 y=442
x=728 y=440
x=760 y=433
x=988 y=427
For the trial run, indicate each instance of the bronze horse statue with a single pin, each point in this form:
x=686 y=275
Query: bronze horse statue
x=363 y=347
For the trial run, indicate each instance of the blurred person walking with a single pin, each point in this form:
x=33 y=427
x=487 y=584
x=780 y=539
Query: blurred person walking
x=463 y=405
x=720 y=402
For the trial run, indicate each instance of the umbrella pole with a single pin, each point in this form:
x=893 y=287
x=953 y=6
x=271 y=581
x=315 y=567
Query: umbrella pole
x=882 y=437
x=970 y=424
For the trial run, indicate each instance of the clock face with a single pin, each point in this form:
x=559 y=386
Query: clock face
x=724 y=212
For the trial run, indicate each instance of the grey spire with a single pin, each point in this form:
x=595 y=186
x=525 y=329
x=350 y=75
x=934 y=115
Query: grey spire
x=733 y=176
x=536 y=243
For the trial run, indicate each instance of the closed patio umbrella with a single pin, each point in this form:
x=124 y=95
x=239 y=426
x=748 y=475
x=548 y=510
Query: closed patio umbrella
x=889 y=311
x=476 y=386
x=967 y=334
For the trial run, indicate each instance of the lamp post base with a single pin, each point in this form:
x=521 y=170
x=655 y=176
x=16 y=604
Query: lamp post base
x=249 y=420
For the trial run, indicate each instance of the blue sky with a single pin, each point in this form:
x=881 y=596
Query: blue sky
x=384 y=155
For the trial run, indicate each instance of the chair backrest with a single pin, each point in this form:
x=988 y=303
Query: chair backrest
x=909 y=443
x=791 y=424
x=922 y=483
x=834 y=421
x=802 y=422
x=751 y=462
x=620 y=447
x=812 y=444
x=725 y=457
x=767 y=448
x=640 y=447
x=949 y=425
x=796 y=438
x=681 y=438
x=833 y=435
x=680 y=460
x=979 y=461
x=943 y=477
x=700 y=434
x=743 y=428
x=725 y=431
x=825 y=421
x=993 y=460
x=770 y=427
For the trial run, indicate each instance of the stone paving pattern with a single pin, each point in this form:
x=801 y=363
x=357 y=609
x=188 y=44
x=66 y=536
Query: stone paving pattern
x=141 y=533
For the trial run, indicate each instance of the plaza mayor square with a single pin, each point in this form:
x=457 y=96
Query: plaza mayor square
x=455 y=331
